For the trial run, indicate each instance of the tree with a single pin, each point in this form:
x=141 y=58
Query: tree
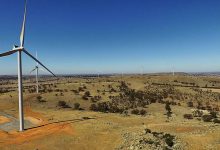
x=168 y=109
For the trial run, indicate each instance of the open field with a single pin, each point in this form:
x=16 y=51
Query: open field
x=113 y=112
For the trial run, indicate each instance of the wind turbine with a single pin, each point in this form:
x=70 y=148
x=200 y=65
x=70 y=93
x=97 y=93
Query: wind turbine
x=173 y=71
x=142 y=70
x=98 y=73
x=19 y=50
x=37 y=68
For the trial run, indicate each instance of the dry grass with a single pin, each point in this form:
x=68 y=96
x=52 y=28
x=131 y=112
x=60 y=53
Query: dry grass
x=58 y=128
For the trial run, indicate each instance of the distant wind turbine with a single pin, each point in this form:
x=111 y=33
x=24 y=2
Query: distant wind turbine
x=98 y=73
x=142 y=70
x=173 y=70
x=19 y=50
x=37 y=68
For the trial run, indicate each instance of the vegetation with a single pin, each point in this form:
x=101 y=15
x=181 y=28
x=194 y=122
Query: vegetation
x=76 y=106
x=168 y=109
x=188 y=116
x=207 y=118
x=63 y=104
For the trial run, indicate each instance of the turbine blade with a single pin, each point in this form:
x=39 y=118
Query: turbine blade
x=22 y=36
x=42 y=69
x=26 y=52
x=36 y=57
x=8 y=53
x=33 y=70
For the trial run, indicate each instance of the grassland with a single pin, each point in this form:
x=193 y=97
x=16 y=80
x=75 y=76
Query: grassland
x=113 y=112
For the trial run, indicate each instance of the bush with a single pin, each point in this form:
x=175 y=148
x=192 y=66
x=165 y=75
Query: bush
x=39 y=98
x=207 y=118
x=103 y=107
x=93 y=107
x=216 y=120
x=147 y=130
x=85 y=97
x=63 y=104
x=135 y=111
x=143 y=112
x=87 y=94
x=188 y=116
x=190 y=104
x=213 y=114
x=169 y=139
x=76 y=106
x=167 y=107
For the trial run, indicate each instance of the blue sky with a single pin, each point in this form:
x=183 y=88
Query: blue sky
x=88 y=36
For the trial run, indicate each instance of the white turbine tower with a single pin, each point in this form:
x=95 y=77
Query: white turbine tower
x=142 y=70
x=19 y=50
x=98 y=73
x=37 y=68
x=173 y=71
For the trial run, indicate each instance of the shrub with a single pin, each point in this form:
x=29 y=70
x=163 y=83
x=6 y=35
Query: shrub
x=103 y=107
x=147 y=130
x=125 y=112
x=93 y=100
x=190 y=104
x=93 y=107
x=63 y=104
x=87 y=94
x=76 y=105
x=143 y=112
x=167 y=107
x=216 y=120
x=39 y=98
x=169 y=139
x=84 y=97
x=188 y=116
x=207 y=118
x=213 y=114
x=135 y=111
